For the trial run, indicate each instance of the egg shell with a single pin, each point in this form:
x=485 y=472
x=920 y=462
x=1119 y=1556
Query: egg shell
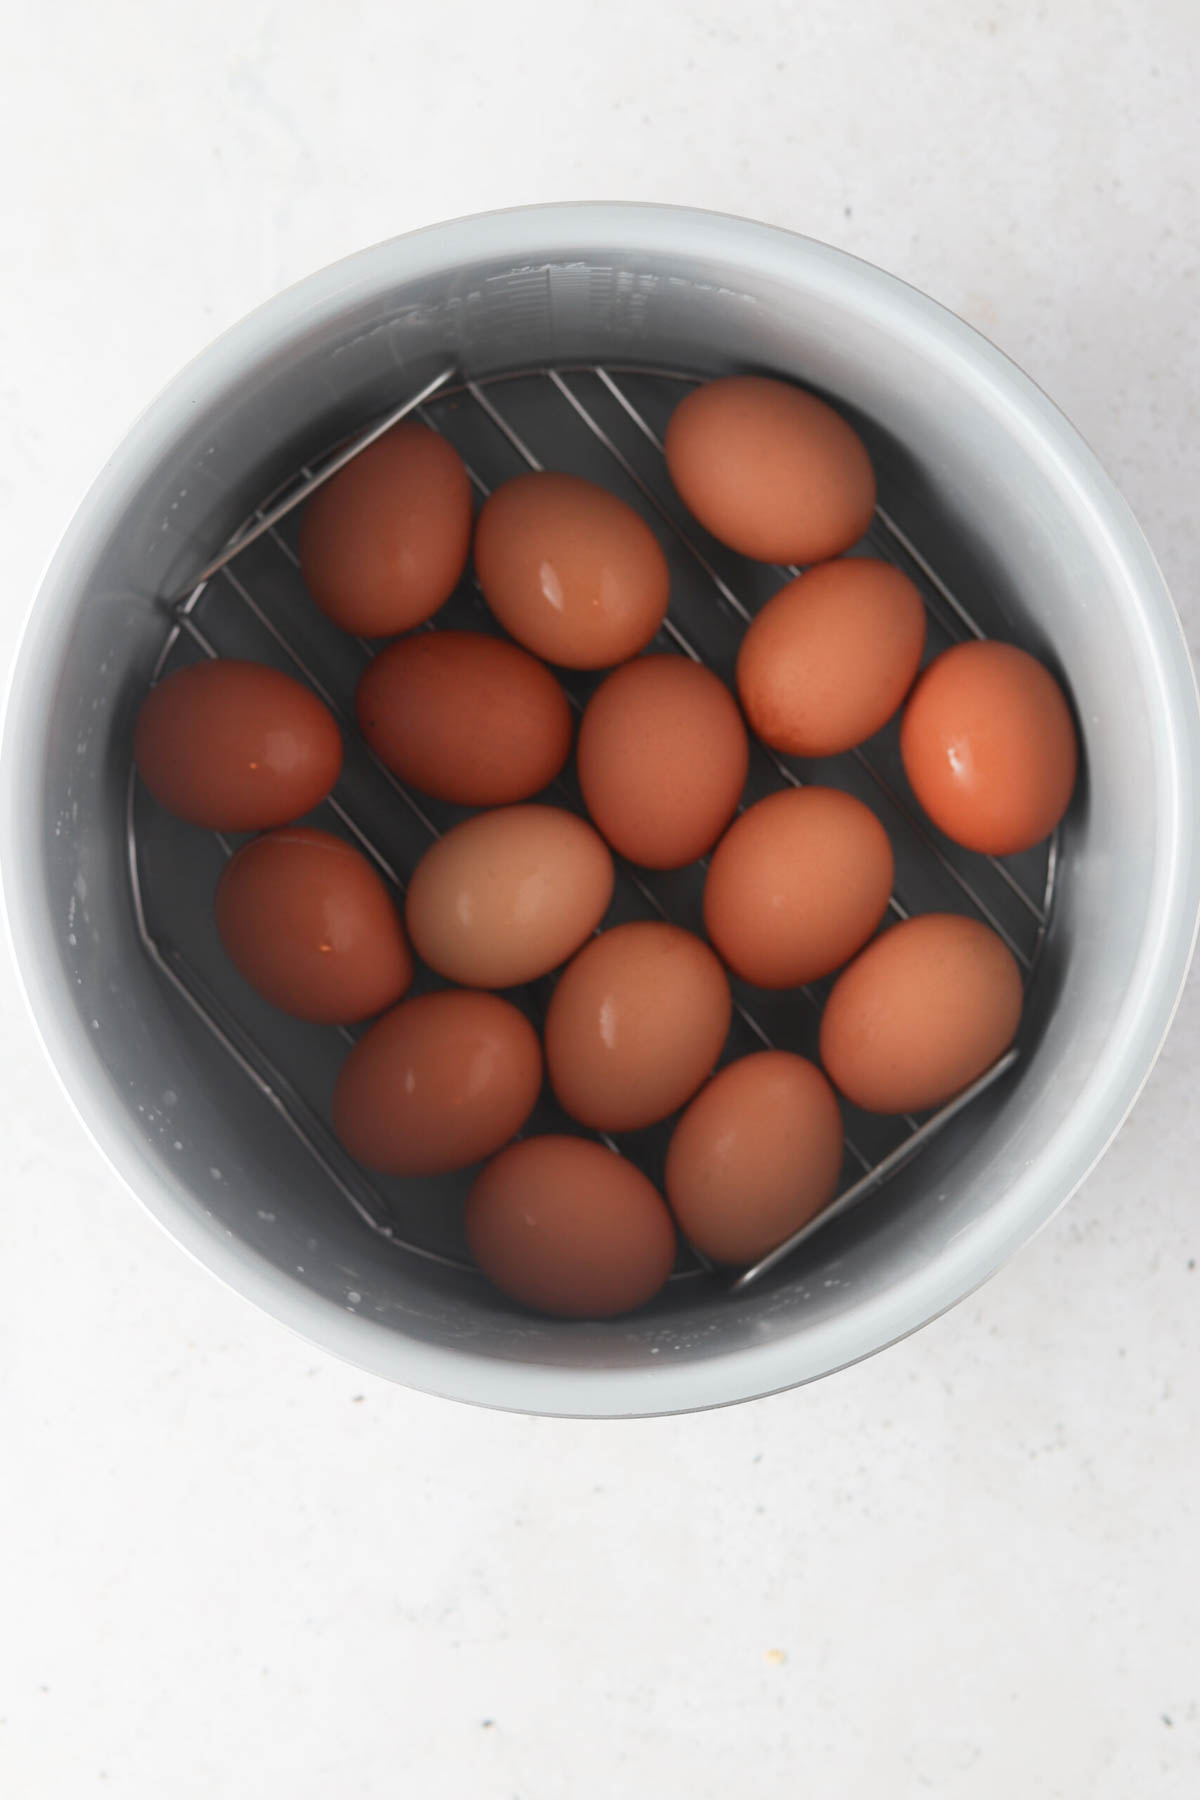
x=756 y=1155
x=306 y=920
x=921 y=1013
x=438 y=1083
x=570 y=571
x=831 y=656
x=508 y=895
x=465 y=717
x=662 y=759
x=797 y=885
x=770 y=470
x=989 y=747
x=384 y=541
x=567 y=1227
x=636 y=1023
x=236 y=746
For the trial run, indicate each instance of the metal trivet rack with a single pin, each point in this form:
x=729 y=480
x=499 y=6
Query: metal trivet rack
x=607 y=423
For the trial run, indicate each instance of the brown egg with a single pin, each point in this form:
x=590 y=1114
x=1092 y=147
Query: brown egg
x=465 y=717
x=756 y=1155
x=236 y=746
x=567 y=1227
x=770 y=470
x=508 y=895
x=662 y=759
x=309 y=924
x=921 y=1013
x=385 y=540
x=570 y=571
x=989 y=747
x=797 y=885
x=635 y=1024
x=830 y=657
x=441 y=1081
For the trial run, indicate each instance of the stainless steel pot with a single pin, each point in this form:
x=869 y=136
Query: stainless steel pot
x=980 y=473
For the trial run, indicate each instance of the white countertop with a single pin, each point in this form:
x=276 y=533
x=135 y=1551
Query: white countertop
x=233 y=1566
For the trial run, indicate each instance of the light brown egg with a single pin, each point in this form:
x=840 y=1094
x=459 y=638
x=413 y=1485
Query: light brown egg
x=989 y=747
x=438 y=1083
x=465 y=717
x=309 y=924
x=770 y=470
x=921 y=1013
x=570 y=571
x=831 y=656
x=565 y=1226
x=662 y=759
x=385 y=540
x=635 y=1024
x=797 y=885
x=755 y=1156
x=508 y=895
x=236 y=746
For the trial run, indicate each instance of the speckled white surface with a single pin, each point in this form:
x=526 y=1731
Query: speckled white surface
x=233 y=1567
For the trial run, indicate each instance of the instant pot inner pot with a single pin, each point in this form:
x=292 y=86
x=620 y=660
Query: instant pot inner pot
x=574 y=366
